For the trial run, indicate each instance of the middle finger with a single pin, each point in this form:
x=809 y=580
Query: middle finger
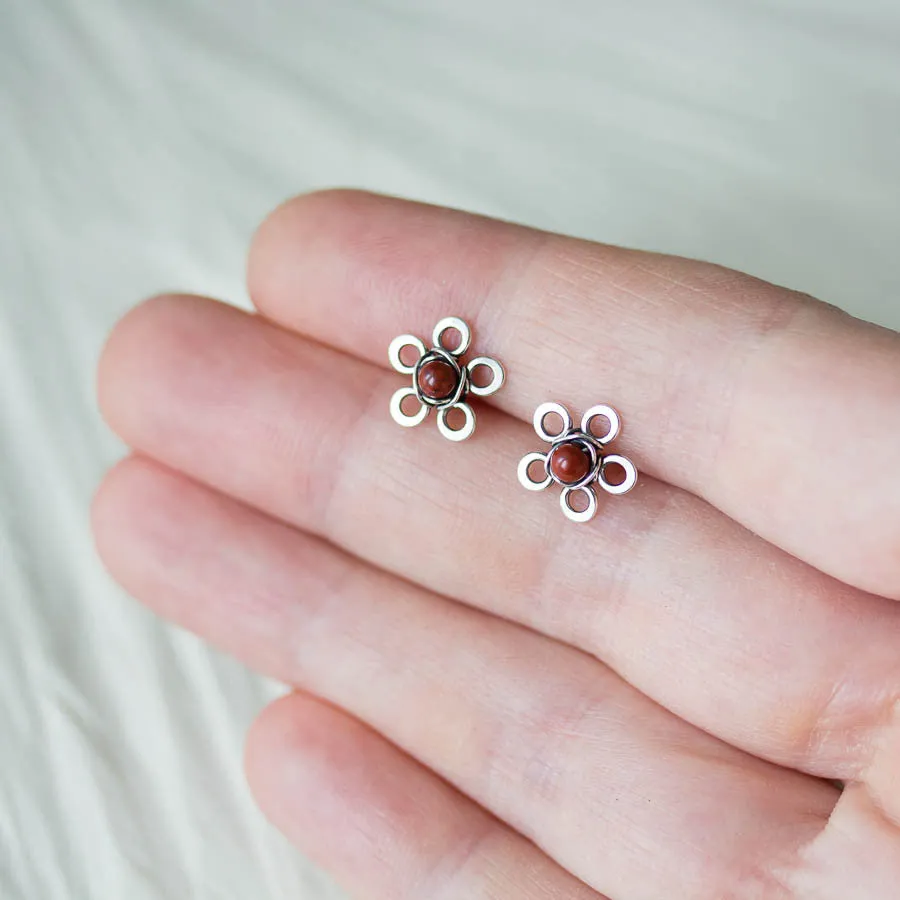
x=658 y=586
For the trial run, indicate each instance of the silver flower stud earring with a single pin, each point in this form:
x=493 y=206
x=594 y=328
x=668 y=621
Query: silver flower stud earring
x=439 y=379
x=577 y=459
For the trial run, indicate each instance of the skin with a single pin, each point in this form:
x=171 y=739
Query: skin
x=490 y=701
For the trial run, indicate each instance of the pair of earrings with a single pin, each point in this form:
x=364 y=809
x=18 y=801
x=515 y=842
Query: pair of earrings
x=578 y=458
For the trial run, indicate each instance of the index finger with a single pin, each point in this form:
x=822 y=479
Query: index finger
x=778 y=409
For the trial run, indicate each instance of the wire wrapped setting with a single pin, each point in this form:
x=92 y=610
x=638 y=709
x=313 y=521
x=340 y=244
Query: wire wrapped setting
x=577 y=459
x=440 y=380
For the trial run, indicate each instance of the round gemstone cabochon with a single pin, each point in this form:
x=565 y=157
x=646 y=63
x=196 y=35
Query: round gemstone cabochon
x=569 y=462
x=437 y=379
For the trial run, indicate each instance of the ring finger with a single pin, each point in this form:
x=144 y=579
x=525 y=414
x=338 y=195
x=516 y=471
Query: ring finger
x=630 y=799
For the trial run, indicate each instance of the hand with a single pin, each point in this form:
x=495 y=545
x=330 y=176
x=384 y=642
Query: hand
x=493 y=702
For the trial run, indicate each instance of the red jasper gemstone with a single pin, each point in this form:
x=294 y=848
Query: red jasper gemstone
x=437 y=379
x=569 y=463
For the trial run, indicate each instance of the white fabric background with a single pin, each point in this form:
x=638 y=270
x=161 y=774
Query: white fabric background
x=142 y=140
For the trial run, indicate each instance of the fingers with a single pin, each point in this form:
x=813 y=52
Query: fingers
x=779 y=410
x=769 y=654
x=386 y=827
x=857 y=855
x=627 y=797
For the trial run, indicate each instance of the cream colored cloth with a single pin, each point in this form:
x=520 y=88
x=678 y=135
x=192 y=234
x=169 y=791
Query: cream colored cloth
x=141 y=143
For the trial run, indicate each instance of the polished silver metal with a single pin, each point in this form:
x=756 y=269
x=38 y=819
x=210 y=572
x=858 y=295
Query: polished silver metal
x=525 y=479
x=592 y=444
x=630 y=474
x=498 y=376
x=607 y=412
x=464 y=384
x=584 y=515
x=397 y=345
x=454 y=324
x=541 y=413
x=400 y=417
x=459 y=434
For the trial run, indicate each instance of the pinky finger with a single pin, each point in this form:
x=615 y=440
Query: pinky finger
x=382 y=824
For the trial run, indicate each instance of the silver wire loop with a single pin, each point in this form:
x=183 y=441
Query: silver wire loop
x=400 y=417
x=397 y=345
x=585 y=473
x=541 y=413
x=630 y=474
x=434 y=385
x=498 y=376
x=607 y=412
x=452 y=322
x=584 y=515
x=525 y=464
x=462 y=433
